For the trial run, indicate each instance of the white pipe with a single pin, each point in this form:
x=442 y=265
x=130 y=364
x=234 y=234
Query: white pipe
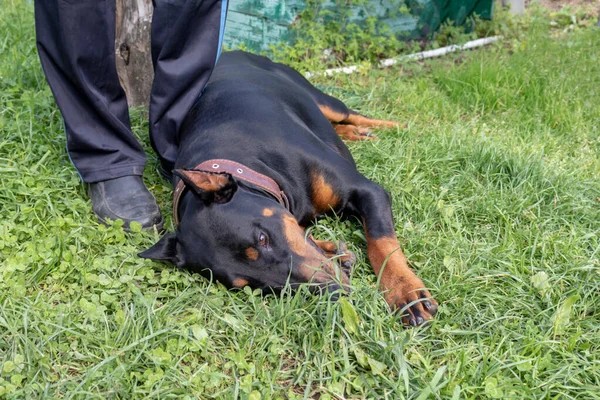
x=416 y=56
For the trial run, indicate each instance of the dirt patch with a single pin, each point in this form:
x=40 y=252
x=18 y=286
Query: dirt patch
x=556 y=5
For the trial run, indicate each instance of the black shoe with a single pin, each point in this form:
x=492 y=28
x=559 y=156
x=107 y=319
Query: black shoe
x=125 y=198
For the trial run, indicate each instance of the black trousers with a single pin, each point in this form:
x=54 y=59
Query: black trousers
x=76 y=45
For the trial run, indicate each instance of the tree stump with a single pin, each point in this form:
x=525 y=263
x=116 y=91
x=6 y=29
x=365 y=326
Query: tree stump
x=132 y=46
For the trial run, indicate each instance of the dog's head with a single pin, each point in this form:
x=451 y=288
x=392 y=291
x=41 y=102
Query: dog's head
x=241 y=237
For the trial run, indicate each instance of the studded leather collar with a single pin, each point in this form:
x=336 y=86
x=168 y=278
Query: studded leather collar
x=238 y=171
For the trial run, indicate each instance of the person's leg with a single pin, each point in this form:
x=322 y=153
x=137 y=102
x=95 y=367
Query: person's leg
x=187 y=37
x=75 y=41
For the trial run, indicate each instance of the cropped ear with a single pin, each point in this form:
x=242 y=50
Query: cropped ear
x=212 y=188
x=164 y=250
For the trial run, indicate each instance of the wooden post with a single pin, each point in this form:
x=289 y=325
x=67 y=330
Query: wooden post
x=516 y=6
x=132 y=46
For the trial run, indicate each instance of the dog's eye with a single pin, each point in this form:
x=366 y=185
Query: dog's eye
x=263 y=239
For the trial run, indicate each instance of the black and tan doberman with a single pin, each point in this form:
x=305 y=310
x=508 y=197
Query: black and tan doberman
x=260 y=157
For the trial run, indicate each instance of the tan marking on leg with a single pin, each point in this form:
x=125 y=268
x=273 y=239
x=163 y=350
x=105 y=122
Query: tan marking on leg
x=323 y=196
x=328 y=247
x=239 y=282
x=331 y=115
x=361 y=120
x=353 y=118
x=251 y=253
x=402 y=286
x=387 y=248
x=396 y=277
x=353 y=133
x=267 y=212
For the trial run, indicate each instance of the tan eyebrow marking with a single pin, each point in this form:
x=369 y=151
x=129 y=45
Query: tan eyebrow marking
x=251 y=253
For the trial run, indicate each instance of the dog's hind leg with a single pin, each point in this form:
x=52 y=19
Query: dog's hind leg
x=332 y=108
x=343 y=115
x=353 y=133
x=362 y=121
x=351 y=125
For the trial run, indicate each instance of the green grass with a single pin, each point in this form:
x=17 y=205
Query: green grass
x=496 y=189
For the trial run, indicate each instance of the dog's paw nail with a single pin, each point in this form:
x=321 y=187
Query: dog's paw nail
x=431 y=307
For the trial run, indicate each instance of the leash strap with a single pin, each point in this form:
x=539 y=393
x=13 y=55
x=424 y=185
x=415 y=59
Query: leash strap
x=238 y=171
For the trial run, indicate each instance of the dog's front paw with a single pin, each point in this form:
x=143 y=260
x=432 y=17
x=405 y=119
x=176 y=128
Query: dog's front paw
x=409 y=298
x=346 y=257
x=339 y=251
